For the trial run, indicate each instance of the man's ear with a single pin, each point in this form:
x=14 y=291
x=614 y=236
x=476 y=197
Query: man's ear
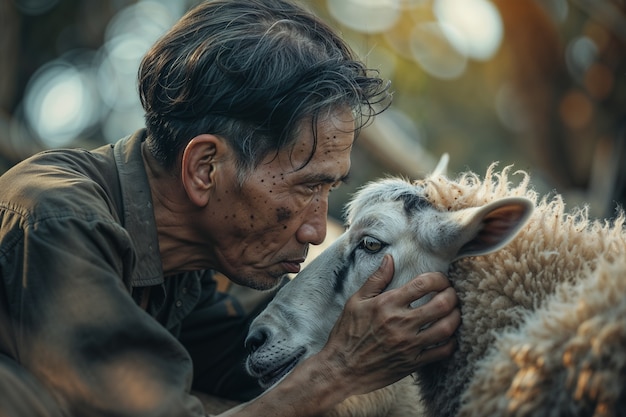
x=199 y=165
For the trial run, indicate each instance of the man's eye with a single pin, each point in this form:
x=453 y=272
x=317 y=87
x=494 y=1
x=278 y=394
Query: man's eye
x=371 y=244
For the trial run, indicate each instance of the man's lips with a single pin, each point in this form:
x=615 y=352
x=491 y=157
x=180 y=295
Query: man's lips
x=292 y=266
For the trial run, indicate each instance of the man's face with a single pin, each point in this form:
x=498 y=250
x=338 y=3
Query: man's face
x=264 y=227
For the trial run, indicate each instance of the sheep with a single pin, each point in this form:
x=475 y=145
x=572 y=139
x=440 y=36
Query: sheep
x=542 y=333
x=541 y=292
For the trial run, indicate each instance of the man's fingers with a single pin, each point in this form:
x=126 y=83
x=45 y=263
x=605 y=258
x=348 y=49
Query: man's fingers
x=439 y=330
x=377 y=283
x=422 y=285
x=441 y=304
x=436 y=353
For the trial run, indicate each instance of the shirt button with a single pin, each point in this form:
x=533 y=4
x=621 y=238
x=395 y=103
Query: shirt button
x=184 y=290
x=179 y=303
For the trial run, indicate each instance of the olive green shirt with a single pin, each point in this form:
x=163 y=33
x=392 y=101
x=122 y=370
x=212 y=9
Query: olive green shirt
x=78 y=251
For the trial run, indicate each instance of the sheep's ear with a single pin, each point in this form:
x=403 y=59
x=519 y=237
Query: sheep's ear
x=488 y=228
x=442 y=165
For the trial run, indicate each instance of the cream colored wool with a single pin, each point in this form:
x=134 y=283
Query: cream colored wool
x=544 y=319
x=397 y=400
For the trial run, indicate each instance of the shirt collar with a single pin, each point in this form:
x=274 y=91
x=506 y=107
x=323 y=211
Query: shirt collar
x=138 y=210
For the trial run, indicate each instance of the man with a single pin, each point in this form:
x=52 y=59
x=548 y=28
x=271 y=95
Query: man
x=108 y=302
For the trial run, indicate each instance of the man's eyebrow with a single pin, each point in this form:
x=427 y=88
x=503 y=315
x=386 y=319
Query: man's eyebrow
x=322 y=178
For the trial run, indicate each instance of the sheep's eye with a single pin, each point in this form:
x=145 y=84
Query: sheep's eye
x=370 y=244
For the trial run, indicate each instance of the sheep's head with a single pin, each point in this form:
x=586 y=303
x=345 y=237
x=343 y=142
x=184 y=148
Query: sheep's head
x=389 y=216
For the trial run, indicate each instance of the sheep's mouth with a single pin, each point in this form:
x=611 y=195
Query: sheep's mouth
x=274 y=375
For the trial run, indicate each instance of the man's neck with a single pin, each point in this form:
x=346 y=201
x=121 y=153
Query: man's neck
x=174 y=215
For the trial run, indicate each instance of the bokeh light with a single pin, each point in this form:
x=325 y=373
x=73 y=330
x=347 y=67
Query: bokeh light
x=433 y=49
x=369 y=16
x=128 y=37
x=599 y=81
x=64 y=99
x=576 y=110
x=61 y=102
x=477 y=23
x=536 y=83
x=581 y=52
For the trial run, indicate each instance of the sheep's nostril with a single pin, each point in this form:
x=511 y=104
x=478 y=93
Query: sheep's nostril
x=256 y=339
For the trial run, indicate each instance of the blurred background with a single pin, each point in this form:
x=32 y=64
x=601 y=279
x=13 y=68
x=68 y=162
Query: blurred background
x=540 y=84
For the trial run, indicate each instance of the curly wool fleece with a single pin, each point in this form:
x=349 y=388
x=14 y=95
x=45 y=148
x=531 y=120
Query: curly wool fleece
x=544 y=319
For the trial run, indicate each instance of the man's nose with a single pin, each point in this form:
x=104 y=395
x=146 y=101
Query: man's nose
x=313 y=228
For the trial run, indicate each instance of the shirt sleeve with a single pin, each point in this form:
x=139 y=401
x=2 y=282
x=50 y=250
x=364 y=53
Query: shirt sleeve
x=77 y=329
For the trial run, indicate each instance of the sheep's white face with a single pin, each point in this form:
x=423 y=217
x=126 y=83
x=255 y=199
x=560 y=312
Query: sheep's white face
x=390 y=216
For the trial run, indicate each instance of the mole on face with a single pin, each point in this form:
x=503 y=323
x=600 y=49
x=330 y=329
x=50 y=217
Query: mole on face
x=283 y=214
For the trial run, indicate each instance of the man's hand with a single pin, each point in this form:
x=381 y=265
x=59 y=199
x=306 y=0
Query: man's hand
x=380 y=339
x=377 y=340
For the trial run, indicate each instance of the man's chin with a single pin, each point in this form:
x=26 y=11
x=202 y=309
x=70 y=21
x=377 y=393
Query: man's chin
x=264 y=282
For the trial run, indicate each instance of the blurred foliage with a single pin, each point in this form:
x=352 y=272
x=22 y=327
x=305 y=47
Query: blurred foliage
x=561 y=70
x=551 y=100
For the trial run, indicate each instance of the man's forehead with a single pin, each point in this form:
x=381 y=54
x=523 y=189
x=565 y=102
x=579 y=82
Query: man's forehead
x=330 y=141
